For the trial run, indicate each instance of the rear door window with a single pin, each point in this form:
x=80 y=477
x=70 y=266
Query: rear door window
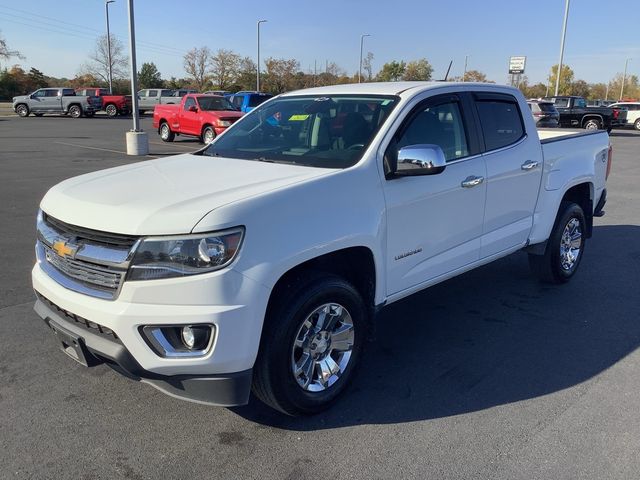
x=500 y=120
x=546 y=107
x=152 y=93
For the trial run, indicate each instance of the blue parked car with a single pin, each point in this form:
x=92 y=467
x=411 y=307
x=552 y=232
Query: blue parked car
x=247 y=101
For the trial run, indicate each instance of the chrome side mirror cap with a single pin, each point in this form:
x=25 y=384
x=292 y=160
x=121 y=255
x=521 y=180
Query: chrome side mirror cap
x=423 y=159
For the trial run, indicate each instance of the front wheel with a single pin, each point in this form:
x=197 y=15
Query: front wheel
x=312 y=340
x=565 y=246
x=75 y=111
x=208 y=134
x=636 y=125
x=592 y=124
x=111 y=110
x=166 y=135
x=22 y=110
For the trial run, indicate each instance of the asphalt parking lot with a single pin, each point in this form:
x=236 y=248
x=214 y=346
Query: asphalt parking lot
x=489 y=375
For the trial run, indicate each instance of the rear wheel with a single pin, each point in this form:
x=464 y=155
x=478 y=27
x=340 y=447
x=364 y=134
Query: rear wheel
x=592 y=124
x=75 y=111
x=208 y=134
x=111 y=110
x=564 y=248
x=312 y=340
x=636 y=125
x=166 y=135
x=22 y=110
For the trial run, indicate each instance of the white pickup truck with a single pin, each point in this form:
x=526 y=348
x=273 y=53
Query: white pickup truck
x=259 y=262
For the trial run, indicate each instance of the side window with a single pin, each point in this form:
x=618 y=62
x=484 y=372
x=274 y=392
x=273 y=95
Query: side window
x=51 y=93
x=152 y=93
x=164 y=93
x=237 y=101
x=562 y=102
x=440 y=125
x=189 y=102
x=580 y=103
x=501 y=122
x=40 y=93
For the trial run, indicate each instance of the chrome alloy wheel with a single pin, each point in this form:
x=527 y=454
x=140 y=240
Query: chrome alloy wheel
x=165 y=132
x=322 y=347
x=570 y=244
x=209 y=135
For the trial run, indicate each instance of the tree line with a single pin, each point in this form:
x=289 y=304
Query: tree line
x=227 y=70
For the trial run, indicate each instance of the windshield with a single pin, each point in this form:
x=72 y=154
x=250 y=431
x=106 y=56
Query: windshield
x=215 y=103
x=329 y=132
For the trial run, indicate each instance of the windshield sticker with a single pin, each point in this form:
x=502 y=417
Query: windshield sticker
x=299 y=117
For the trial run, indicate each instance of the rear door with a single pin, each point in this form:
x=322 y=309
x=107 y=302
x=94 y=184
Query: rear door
x=514 y=172
x=434 y=222
x=52 y=101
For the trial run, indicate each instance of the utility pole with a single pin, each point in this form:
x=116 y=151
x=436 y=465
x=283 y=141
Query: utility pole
x=624 y=78
x=360 y=67
x=606 y=92
x=564 y=34
x=464 y=73
x=258 y=59
x=137 y=140
x=106 y=9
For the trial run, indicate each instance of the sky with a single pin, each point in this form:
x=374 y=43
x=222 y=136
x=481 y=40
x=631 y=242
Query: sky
x=57 y=36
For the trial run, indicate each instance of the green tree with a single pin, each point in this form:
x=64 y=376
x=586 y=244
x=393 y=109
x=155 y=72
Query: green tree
x=598 y=91
x=418 y=70
x=149 y=76
x=580 y=88
x=37 y=79
x=566 y=80
x=392 y=71
x=280 y=74
x=367 y=66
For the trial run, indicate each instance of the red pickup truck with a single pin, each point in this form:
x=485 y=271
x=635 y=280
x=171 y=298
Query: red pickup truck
x=202 y=116
x=111 y=104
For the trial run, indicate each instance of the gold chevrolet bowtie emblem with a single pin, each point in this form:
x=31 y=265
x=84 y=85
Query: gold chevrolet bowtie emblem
x=63 y=249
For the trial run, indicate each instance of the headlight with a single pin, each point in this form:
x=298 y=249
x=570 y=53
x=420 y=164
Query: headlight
x=167 y=257
x=224 y=123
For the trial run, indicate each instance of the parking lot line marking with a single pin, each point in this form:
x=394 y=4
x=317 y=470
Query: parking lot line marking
x=98 y=148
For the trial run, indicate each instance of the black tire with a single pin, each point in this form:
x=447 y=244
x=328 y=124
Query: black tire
x=550 y=267
x=166 y=135
x=592 y=124
x=636 y=125
x=274 y=382
x=141 y=112
x=111 y=110
x=22 y=110
x=208 y=135
x=89 y=114
x=75 y=111
x=38 y=114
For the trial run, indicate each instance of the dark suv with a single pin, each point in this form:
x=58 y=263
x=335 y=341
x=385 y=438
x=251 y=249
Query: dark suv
x=544 y=113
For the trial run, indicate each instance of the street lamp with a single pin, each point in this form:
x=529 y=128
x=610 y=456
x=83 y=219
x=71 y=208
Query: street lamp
x=137 y=140
x=464 y=73
x=624 y=78
x=360 y=67
x=106 y=9
x=564 y=34
x=258 y=62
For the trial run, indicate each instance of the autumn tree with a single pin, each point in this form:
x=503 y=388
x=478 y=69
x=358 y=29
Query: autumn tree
x=418 y=70
x=580 y=88
x=566 y=80
x=474 y=76
x=245 y=75
x=224 y=68
x=391 y=71
x=367 y=66
x=279 y=74
x=149 y=76
x=98 y=64
x=197 y=64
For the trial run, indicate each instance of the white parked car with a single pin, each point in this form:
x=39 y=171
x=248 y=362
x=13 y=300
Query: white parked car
x=260 y=261
x=633 y=112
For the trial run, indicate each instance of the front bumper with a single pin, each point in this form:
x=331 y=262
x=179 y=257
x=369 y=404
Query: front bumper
x=104 y=347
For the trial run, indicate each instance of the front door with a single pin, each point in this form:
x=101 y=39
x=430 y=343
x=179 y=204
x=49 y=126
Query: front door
x=189 y=121
x=434 y=222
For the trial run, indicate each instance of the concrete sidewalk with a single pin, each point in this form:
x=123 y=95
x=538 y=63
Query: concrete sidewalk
x=6 y=109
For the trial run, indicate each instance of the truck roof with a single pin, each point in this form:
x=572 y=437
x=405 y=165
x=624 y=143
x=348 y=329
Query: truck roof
x=391 y=88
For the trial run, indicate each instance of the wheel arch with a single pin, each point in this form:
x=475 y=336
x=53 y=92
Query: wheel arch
x=582 y=194
x=592 y=116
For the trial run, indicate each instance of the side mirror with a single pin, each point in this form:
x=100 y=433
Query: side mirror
x=424 y=159
x=193 y=108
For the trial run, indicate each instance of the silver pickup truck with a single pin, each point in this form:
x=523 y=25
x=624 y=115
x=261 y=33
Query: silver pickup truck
x=150 y=97
x=56 y=100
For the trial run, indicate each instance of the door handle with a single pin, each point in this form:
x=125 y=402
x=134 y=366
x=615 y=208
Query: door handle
x=472 y=181
x=529 y=165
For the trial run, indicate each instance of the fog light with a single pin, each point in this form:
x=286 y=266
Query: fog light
x=179 y=340
x=195 y=337
x=188 y=337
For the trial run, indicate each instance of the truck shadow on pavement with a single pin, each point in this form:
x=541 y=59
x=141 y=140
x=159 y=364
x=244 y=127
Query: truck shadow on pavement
x=491 y=337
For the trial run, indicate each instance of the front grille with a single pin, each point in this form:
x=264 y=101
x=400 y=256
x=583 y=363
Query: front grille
x=78 y=320
x=94 y=236
x=97 y=276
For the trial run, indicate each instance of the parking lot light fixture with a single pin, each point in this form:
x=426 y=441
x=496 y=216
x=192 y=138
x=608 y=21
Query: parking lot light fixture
x=106 y=10
x=624 y=78
x=564 y=34
x=258 y=57
x=137 y=140
x=360 y=65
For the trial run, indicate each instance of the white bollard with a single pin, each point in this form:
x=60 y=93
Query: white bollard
x=137 y=143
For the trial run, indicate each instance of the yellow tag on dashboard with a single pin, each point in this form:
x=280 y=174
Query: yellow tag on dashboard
x=298 y=118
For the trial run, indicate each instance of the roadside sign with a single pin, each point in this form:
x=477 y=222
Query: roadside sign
x=516 y=65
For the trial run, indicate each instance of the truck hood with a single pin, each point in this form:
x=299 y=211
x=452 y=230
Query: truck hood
x=21 y=97
x=165 y=196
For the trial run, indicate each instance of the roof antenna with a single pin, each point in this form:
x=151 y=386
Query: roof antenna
x=448 y=70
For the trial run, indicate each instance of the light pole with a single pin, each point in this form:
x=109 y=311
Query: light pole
x=564 y=34
x=258 y=60
x=360 y=67
x=624 y=78
x=464 y=73
x=137 y=140
x=106 y=10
